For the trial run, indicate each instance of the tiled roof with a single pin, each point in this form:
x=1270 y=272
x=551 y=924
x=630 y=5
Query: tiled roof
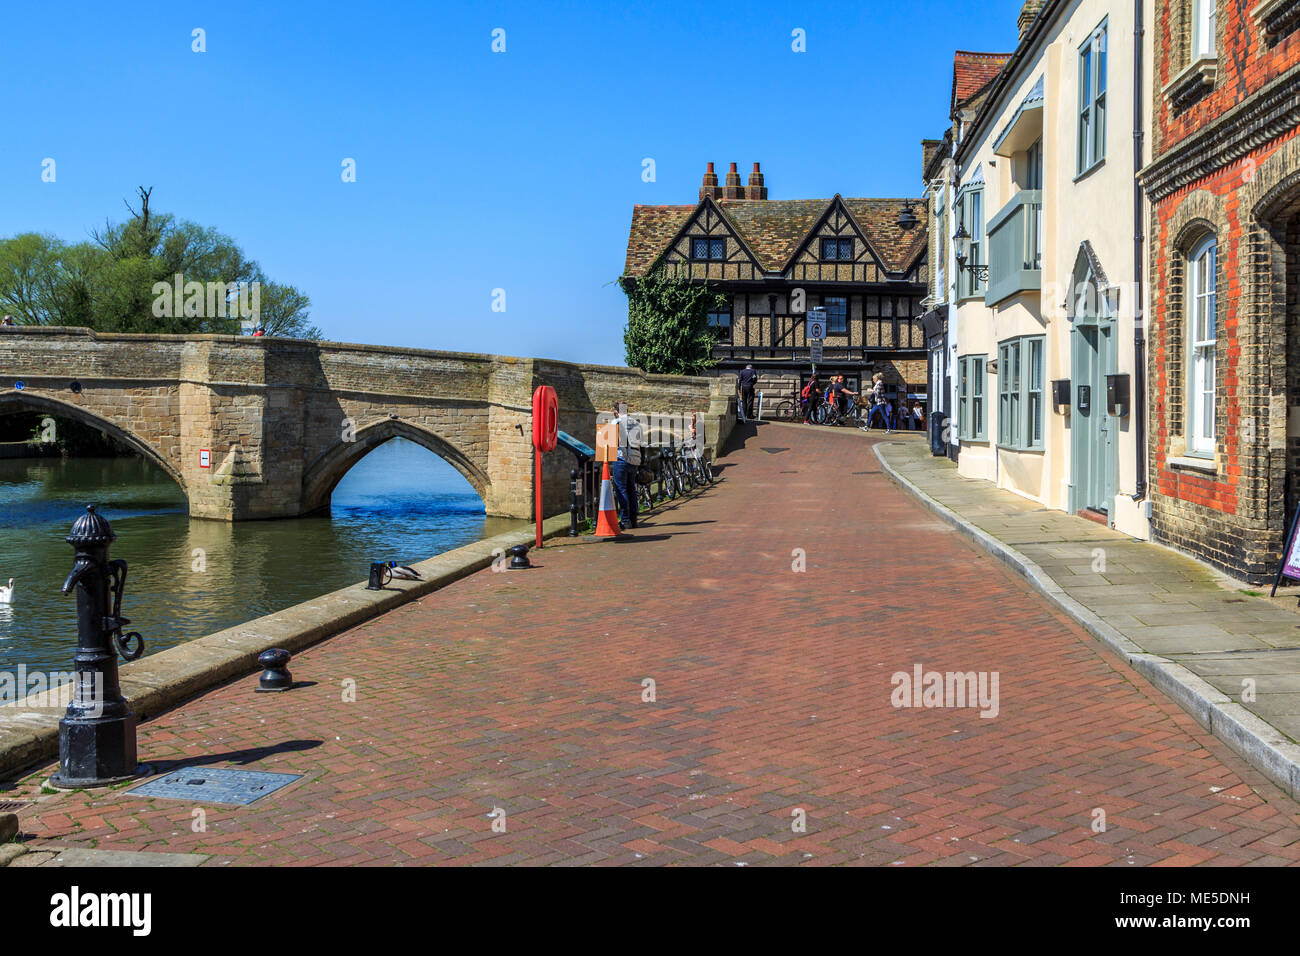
x=897 y=248
x=774 y=229
x=971 y=72
x=653 y=227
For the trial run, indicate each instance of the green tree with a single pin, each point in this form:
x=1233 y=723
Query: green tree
x=667 y=323
x=113 y=283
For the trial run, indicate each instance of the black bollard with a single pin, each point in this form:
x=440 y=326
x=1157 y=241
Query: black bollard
x=519 y=557
x=275 y=674
x=380 y=574
x=97 y=733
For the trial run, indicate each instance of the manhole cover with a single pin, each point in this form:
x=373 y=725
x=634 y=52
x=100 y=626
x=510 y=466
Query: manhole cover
x=215 y=785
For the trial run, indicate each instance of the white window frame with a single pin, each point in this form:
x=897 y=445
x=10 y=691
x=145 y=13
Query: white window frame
x=1204 y=24
x=1202 y=340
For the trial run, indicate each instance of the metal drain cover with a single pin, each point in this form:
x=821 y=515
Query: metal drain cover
x=215 y=785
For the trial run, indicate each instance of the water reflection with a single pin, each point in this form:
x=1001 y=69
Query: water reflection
x=189 y=577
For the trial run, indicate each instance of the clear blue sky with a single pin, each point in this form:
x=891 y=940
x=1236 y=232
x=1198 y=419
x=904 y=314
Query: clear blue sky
x=475 y=170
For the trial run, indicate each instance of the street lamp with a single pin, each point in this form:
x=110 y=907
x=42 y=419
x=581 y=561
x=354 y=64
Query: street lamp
x=907 y=218
x=961 y=242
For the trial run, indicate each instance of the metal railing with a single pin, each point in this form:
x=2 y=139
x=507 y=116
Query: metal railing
x=584 y=483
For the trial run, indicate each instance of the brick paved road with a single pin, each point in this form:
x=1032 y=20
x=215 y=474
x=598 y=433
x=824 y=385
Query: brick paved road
x=524 y=691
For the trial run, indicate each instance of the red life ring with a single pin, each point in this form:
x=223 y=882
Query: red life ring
x=546 y=418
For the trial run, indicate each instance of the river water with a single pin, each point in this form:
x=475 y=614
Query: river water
x=190 y=577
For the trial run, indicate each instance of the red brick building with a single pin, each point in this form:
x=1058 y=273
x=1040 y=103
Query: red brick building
x=1224 y=363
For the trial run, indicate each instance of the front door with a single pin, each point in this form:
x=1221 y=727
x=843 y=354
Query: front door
x=1093 y=429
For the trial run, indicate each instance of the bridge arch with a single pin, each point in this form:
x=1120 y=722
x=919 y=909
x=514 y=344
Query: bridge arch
x=26 y=400
x=327 y=471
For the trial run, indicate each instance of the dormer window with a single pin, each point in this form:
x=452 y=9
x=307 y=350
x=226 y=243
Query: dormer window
x=709 y=249
x=837 y=250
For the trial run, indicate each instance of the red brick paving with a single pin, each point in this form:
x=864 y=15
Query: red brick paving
x=523 y=691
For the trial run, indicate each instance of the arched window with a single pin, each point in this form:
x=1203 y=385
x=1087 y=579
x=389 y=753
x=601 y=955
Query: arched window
x=1202 y=335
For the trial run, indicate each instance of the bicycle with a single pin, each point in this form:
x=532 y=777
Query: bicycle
x=671 y=479
x=645 y=500
x=786 y=411
x=697 y=464
x=852 y=414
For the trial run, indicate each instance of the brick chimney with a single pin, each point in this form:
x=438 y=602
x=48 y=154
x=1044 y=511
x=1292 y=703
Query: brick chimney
x=1028 y=14
x=756 y=189
x=733 y=189
x=710 y=185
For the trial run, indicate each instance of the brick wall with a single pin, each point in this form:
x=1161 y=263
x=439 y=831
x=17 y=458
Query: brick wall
x=1227 y=163
x=1246 y=62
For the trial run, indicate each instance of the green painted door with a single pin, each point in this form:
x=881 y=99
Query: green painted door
x=1093 y=431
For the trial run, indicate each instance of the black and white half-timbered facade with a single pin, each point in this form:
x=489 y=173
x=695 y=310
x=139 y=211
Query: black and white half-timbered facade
x=862 y=260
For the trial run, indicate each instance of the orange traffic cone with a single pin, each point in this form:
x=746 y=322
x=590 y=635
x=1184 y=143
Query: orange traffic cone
x=607 y=521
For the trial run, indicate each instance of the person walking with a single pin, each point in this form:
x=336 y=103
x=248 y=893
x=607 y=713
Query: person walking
x=918 y=417
x=746 y=381
x=810 y=395
x=878 y=404
x=622 y=472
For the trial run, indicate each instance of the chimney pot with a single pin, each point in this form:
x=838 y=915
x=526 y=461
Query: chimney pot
x=756 y=189
x=710 y=185
x=733 y=189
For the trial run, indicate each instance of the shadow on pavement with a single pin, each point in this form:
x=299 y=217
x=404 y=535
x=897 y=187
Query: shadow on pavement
x=161 y=768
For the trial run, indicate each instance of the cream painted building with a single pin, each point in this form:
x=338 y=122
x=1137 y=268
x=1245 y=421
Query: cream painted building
x=1047 y=299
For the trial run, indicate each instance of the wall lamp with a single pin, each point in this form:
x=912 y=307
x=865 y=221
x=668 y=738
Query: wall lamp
x=961 y=242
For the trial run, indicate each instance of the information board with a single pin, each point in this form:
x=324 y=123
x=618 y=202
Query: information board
x=1290 y=555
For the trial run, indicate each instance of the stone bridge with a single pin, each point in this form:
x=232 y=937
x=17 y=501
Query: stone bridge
x=282 y=420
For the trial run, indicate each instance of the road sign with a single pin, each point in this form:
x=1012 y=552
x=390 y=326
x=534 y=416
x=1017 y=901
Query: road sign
x=816 y=325
x=815 y=348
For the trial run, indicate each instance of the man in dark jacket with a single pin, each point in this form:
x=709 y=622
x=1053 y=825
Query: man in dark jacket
x=745 y=382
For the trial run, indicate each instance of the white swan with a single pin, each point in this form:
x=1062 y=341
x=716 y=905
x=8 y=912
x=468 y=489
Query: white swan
x=7 y=594
x=402 y=571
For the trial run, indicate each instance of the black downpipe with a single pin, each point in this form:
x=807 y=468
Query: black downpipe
x=1139 y=311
